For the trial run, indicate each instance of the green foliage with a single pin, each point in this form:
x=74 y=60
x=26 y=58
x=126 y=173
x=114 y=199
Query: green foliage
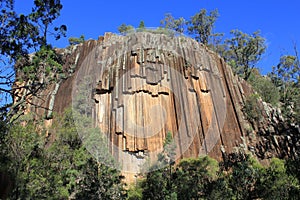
x=57 y=168
x=24 y=148
x=66 y=170
x=265 y=88
x=75 y=40
x=123 y=29
x=168 y=139
x=157 y=184
x=219 y=188
x=43 y=14
x=216 y=43
x=292 y=167
x=169 y=22
x=19 y=34
x=286 y=76
x=201 y=25
x=252 y=108
x=287 y=70
x=277 y=184
x=244 y=178
x=243 y=51
x=190 y=180
x=44 y=63
x=3 y=153
x=135 y=192
x=161 y=30
x=91 y=178
x=141 y=25
x=16 y=31
x=167 y=156
x=193 y=175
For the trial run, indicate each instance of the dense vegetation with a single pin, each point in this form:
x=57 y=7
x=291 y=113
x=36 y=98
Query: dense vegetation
x=53 y=163
x=241 y=177
x=238 y=176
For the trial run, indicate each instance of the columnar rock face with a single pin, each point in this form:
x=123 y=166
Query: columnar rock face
x=144 y=85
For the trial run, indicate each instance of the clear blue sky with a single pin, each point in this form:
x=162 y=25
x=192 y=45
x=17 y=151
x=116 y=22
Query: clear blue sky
x=277 y=20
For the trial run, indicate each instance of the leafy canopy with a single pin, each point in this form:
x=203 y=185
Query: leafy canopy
x=244 y=51
x=170 y=22
x=201 y=25
x=20 y=34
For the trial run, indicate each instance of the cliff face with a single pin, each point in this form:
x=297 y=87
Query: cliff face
x=273 y=136
x=142 y=86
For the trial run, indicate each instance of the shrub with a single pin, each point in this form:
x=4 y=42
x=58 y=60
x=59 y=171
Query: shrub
x=252 y=108
x=265 y=88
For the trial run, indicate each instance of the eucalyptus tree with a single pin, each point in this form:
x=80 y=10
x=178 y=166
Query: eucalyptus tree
x=20 y=34
x=244 y=51
x=286 y=76
x=201 y=25
x=170 y=22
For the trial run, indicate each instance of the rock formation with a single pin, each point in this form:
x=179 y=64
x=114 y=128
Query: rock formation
x=141 y=86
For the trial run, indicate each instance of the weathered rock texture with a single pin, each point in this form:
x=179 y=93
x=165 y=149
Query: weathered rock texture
x=146 y=85
x=160 y=84
x=273 y=136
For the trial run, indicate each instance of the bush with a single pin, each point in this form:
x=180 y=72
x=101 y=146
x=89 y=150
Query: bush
x=252 y=109
x=265 y=88
x=75 y=40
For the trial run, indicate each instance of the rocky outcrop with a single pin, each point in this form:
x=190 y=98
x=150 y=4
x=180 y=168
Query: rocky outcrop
x=273 y=136
x=141 y=86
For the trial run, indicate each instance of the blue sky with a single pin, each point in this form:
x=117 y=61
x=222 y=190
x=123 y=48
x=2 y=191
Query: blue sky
x=277 y=20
